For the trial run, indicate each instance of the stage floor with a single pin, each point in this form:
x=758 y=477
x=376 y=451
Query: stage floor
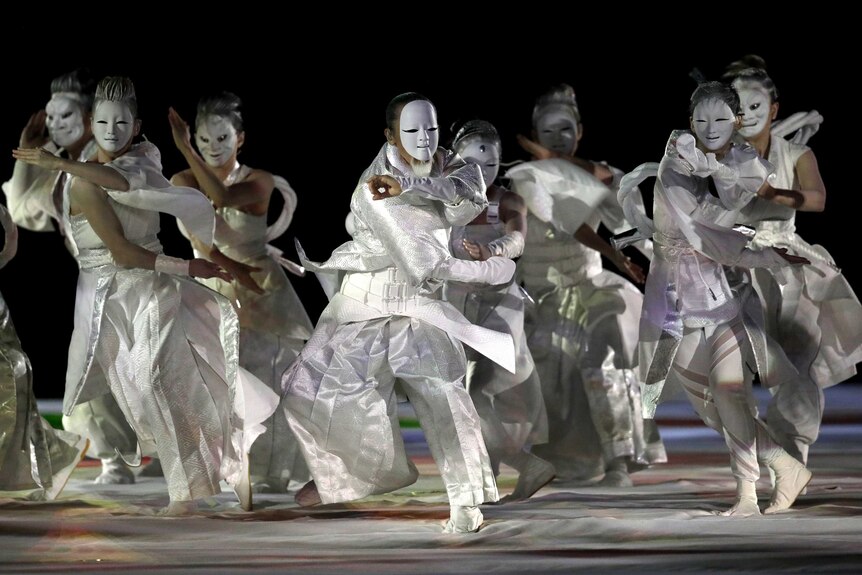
x=666 y=523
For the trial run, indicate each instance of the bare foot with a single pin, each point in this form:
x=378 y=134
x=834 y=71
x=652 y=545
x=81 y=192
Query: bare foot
x=308 y=495
x=178 y=509
x=536 y=474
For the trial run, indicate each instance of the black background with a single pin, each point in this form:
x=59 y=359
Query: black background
x=316 y=117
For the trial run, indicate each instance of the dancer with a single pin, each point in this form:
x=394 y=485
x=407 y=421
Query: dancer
x=273 y=323
x=583 y=329
x=812 y=311
x=700 y=323
x=386 y=325
x=35 y=199
x=33 y=455
x=165 y=346
x=510 y=406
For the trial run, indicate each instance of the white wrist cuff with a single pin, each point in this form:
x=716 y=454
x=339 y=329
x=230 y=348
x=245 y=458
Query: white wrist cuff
x=169 y=265
x=509 y=246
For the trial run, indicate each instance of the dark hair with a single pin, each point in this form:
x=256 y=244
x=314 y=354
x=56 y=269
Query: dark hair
x=717 y=91
x=117 y=89
x=476 y=129
x=393 y=109
x=225 y=105
x=78 y=81
x=751 y=68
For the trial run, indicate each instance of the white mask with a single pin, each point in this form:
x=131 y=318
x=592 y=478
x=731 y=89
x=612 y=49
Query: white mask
x=217 y=140
x=484 y=154
x=755 y=108
x=113 y=126
x=64 y=120
x=713 y=122
x=558 y=132
x=419 y=135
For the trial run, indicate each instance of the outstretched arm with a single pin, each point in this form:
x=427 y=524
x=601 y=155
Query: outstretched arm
x=92 y=201
x=811 y=197
x=540 y=152
x=587 y=236
x=513 y=211
x=241 y=272
x=98 y=174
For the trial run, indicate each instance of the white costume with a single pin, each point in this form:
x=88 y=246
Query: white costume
x=701 y=326
x=386 y=328
x=273 y=325
x=582 y=331
x=35 y=198
x=35 y=195
x=164 y=346
x=32 y=453
x=510 y=405
x=811 y=311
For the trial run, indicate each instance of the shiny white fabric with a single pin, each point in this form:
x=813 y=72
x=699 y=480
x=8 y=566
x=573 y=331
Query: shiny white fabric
x=273 y=328
x=35 y=198
x=386 y=328
x=34 y=194
x=510 y=405
x=582 y=331
x=32 y=453
x=812 y=312
x=164 y=346
x=688 y=282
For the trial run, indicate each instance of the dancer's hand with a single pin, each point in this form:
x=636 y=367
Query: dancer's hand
x=201 y=268
x=477 y=251
x=38 y=157
x=33 y=135
x=535 y=149
x=628 y=267
x=242 y=274
x=179 y=130
x=383 y=186
x=701 y=164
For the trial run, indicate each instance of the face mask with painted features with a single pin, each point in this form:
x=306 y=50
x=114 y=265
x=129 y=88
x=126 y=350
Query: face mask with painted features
x=217 y=140
x=713 y=123
x=113 y=126
x=755 y=108
x=484 y=154
x=64 y=119
x=557 y=131
x=418 y=130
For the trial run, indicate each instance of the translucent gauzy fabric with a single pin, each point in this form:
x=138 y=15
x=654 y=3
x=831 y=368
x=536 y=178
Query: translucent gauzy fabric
x=165 y=347
x=510 y=405
x=582 y=330
x=32 y=454
x=690 y=283
x=387 y=329
x=811 y=311
x=273 y=328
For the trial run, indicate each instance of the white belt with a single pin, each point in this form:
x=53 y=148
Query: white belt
x=387 y=291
